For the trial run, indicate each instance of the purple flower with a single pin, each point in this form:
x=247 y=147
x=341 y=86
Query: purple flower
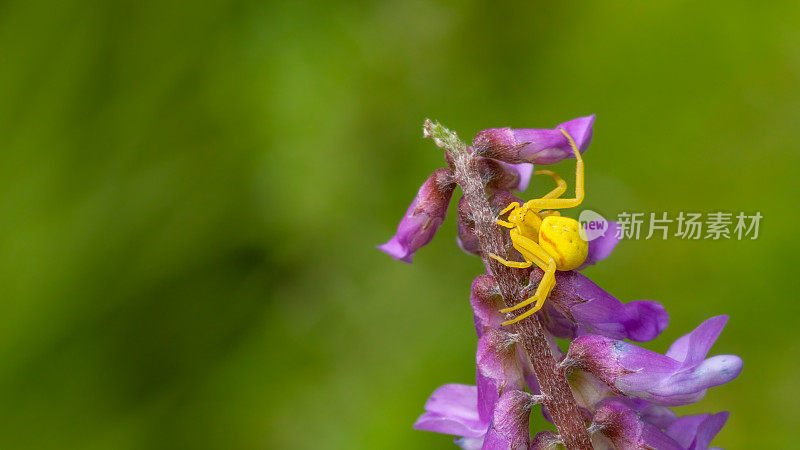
x=537 y=146
x=614 y=421
x=630 y=424
x=697 y=432
x=423 y=217
x=590 y=309
x=621 y=389
x=679 y=377
x=453 y=409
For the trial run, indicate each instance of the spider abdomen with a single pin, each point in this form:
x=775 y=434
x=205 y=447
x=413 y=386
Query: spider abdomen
x=562 y=238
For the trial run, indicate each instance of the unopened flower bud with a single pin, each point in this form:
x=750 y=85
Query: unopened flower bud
x=423 y=217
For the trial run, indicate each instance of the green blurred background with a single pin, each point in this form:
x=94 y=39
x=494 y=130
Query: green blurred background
x=192 y=192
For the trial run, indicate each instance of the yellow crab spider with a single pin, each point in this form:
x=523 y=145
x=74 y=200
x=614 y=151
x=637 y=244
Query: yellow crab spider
x=545 y=238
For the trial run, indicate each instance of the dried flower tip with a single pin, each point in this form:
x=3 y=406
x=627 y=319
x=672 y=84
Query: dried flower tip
x=442 y=136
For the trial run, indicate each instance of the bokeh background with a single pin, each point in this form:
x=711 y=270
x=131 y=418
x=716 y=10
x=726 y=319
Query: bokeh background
x=192 y=193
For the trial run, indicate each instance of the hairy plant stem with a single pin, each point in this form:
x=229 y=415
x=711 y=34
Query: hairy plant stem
x=558 y=395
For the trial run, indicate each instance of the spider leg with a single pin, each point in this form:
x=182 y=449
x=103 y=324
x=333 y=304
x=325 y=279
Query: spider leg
x=545 y=286
x=537 y=307
x=514 y=264
x=531 y=251
x=561 y=184
x=506 y=224
x=562 y=203
x=509 y=208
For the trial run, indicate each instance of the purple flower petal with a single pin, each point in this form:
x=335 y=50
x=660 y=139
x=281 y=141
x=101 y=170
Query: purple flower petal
x=602 y=246
x=537 y=146
x=423 y=217
x=556 y=323
x=657 y=415
x=524 y=172
x=633 y=371
x=693 y=347
x=585 y=304
x=697 y=432
x=453 y=409
x=467 y=443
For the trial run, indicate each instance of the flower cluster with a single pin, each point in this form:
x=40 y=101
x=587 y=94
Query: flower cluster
x=622 y=390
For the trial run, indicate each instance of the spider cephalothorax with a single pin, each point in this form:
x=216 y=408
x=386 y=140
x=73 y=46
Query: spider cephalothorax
x=545 y=238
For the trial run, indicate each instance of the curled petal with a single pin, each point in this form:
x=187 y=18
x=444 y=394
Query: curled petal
x=453 y=409
x=602 y=246
x=633 y=371
x=623 y=427
x=537 y=146
x=585 y=304
x=423 y=217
